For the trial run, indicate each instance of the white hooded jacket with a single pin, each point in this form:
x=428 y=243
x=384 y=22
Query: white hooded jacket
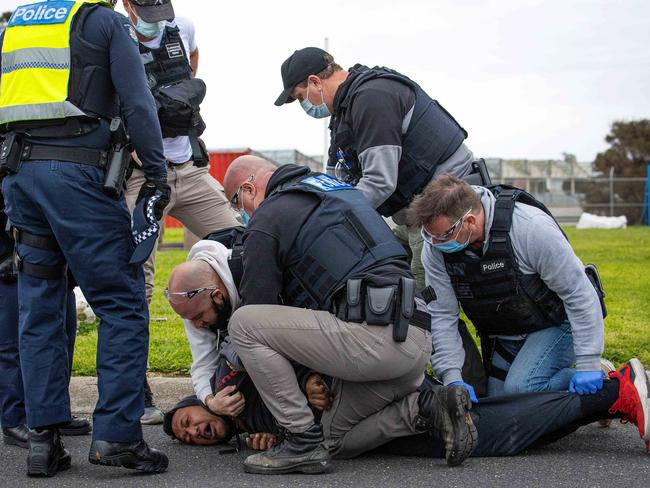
x=204 y=343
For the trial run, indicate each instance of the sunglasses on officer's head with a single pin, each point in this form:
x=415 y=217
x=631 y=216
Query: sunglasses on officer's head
x=449 y=232
x=179 y=296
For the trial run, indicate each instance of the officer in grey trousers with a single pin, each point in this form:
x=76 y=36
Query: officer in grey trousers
x=336 y=295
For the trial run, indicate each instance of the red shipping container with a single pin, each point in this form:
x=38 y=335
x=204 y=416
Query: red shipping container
x=219 y=162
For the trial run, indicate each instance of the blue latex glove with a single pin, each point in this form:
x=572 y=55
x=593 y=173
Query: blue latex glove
x=470 y=388
x=586 y=382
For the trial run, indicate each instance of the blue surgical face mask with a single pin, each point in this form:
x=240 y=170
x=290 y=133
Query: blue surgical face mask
x=452 y=245
x=148 y=29
x=244 y=216
x=317 y=111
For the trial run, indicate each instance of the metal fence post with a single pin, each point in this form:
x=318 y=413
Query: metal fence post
x=647 y=203
x=611 y=192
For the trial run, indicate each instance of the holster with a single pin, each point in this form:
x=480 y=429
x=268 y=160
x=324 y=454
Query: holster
x=200 y=154
x=354 y=297
x=404 y=309
x=7 y=269
x=11 y=153
x=381 y=306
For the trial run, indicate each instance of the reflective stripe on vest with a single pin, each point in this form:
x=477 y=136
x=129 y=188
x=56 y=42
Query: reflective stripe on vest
x=36 y=62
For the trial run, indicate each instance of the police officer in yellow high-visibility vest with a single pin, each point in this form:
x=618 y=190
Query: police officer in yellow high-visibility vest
x=64 y=65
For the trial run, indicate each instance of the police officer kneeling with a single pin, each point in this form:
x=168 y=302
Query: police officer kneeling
x=388 y=136
x=325 y=284
x=500 y=253
x=63 y=66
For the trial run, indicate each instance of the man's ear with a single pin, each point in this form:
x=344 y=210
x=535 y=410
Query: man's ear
x=316 y=81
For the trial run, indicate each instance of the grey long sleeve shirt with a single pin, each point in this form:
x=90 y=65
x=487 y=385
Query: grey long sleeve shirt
x=540 y=248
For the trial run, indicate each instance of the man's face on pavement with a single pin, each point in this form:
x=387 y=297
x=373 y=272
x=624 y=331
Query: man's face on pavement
x=195 y=425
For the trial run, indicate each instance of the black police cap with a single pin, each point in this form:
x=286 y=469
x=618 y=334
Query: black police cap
x=298 y=67
x=154 y=10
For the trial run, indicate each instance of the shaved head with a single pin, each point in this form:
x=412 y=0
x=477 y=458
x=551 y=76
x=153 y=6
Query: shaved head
x=203 y=307
x=242 y=168
x=192 y=275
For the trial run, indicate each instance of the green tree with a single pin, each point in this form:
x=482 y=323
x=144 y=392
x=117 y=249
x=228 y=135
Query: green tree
x=628 y=156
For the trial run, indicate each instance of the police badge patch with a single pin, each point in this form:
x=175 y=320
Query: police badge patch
x=132 y=33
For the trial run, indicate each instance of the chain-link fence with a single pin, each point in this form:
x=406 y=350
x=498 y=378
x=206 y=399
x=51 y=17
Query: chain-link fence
x=607 y=196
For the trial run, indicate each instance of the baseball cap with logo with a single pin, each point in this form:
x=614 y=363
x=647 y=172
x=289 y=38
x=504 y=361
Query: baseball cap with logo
x=298 y=67
x=154 y=10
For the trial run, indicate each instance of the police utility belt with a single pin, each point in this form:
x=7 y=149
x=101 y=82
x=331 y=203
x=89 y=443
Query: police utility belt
x=15 y=150
x=382 y=306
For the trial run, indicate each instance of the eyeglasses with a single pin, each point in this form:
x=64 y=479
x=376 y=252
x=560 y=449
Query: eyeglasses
x=449 y=232
x=180 y=296
x=234 y=201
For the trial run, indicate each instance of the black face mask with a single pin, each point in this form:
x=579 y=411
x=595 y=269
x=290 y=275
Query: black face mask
x=223 y=311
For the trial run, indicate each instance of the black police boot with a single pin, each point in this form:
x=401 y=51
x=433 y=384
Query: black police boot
x=46 y=453
x=16 y=436
x=303 y=453
x=136 y=455
x=445 y=410
x=76 y=426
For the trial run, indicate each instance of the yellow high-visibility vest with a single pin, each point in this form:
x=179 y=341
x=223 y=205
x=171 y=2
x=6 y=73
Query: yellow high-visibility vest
x=36 y=62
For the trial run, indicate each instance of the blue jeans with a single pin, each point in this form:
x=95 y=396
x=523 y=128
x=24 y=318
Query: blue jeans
x=542 y=362
x=66 y=201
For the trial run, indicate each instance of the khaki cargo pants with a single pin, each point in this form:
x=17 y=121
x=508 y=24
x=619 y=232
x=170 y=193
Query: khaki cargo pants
x=376 y=376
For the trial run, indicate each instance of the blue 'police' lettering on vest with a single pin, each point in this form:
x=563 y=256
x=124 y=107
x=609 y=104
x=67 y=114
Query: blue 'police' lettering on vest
x=55 y=12
x=326 y=183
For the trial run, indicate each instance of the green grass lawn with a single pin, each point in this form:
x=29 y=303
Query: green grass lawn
x=622 y=257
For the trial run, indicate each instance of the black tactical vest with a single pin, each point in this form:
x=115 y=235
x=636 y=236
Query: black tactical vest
x=167 y=64
x=342 y=239
x=494 y=294
x=231 y=238
x=433 y=135
x=178 y=95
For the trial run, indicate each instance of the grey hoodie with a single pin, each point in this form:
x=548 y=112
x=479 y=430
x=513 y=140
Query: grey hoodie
x=540 y=248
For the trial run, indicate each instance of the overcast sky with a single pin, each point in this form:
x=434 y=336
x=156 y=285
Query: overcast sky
x=527 y=79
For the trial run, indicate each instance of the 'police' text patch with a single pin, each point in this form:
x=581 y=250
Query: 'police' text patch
x=174 y=50
x=54 y=12
x=494 y=266
x=326 y=183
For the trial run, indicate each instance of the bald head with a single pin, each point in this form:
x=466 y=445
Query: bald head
x=191 y=275
x=203 y=307
x=242 y=168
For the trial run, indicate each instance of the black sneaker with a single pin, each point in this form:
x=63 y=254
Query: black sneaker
x=76 y=426
x=297 y=453
x=46 y=453
x=137 y=455
x=16 y=436
x=445 y=410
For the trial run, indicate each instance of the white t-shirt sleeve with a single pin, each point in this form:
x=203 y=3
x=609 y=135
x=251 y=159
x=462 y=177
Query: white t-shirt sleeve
x=188 y=33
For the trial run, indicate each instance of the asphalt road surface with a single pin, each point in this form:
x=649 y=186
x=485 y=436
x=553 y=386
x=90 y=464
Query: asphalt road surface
x=591 y=457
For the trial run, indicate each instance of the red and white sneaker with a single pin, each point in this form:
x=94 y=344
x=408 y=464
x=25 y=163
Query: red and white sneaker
x=634 y=397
